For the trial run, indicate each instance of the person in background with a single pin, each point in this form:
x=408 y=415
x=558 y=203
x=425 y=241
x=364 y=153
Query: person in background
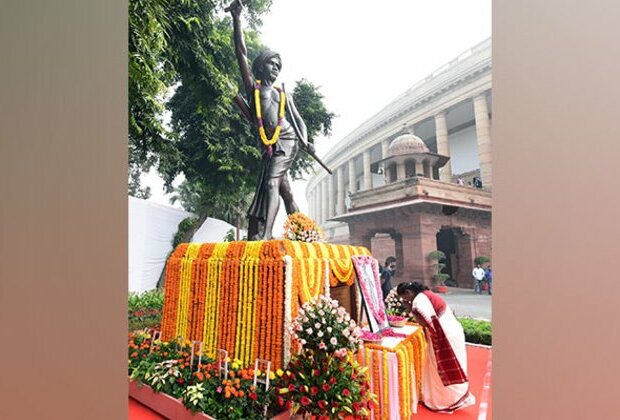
x=478 y=273
x=445 y=385
x=488 y=274
x=387 y=272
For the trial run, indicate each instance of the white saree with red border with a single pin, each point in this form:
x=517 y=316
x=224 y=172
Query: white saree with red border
x=445 y=386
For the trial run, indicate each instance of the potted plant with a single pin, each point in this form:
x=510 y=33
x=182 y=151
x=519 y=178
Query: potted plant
x=438 y=277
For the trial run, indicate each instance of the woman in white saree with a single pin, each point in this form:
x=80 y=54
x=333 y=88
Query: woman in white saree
x=445 y=386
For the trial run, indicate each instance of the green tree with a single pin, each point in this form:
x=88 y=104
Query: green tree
x=149 y=74
x=318 y=119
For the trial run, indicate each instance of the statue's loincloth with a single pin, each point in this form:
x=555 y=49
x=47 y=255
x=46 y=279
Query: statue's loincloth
x=274 y=167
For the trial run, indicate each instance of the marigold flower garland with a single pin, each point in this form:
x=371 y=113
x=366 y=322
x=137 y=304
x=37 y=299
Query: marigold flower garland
x=170 y=309
x=212 y=294
x=259 y=115
x=288 y=297
x=185 y=288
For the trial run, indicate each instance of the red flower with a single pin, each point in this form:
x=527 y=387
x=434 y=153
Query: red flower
x=332 y=380
x=305 y=401
x=289 y=404
x=280 y=400
x=291 y=387
x=316 y=372
x=370 y=405
x=362 y=392
x=326 y=387
x=322 y=404
x=181 y=380
x=346 y=392
x=253 y=396
x=356 y=407
x=314 y=390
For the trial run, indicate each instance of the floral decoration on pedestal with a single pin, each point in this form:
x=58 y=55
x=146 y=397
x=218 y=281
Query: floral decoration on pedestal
x=324 y=379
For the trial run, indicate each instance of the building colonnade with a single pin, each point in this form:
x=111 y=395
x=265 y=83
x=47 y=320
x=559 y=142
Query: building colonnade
x=328 y=196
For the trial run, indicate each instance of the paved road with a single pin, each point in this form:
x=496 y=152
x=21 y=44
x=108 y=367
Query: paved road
x=465 y=303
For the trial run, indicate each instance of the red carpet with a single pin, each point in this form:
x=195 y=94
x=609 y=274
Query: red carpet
x=138 y=411
x=478 y=364
x=479 y=369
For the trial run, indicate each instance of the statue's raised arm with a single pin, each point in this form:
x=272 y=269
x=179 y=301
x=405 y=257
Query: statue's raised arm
x=235 y=9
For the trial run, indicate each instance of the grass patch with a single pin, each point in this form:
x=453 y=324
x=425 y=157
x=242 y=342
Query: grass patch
x=477 y=331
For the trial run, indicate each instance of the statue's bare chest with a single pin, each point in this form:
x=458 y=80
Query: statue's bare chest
x=270 y=104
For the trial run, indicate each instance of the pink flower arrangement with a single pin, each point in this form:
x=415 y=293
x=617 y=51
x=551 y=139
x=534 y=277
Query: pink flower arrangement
x=322 y=324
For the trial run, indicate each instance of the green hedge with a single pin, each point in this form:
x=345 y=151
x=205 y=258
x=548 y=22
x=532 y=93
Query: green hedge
x=477 y=331
x=144 y=309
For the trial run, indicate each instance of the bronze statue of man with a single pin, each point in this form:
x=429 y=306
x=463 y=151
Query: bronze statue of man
x=270 y=108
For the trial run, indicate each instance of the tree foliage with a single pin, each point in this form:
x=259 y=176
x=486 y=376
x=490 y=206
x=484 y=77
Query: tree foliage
x=318 y=119
x=187 y=44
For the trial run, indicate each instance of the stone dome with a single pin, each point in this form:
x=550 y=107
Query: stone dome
x=407 y=144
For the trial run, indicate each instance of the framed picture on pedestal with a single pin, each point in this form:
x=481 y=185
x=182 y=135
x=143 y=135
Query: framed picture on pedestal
x=369 y=283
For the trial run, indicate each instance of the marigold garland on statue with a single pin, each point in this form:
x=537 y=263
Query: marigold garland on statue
x=259 y=115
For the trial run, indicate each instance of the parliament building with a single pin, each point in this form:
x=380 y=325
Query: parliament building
x=416 y=177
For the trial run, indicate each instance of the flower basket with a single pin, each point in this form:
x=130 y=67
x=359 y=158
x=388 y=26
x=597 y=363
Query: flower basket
x=398 y=324
x=397 y=321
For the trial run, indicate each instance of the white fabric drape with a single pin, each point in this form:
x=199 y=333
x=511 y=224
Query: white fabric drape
x=151 y=228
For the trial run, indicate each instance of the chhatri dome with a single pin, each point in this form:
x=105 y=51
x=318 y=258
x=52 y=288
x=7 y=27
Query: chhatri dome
x=408 y=156
x=407 y=144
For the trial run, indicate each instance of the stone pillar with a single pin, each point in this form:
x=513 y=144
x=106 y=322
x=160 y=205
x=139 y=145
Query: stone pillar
x=443 y=146
x=340 y=192
x=367 y=174
x=352 y=177
x=419 y=167
x=483 y=132
x=315 y=203
x=359 y=236
x=427 y=170
x=417 y=243
x=385 y=144
x=324 y=201
x=330 y=196
x=401 y=172
x=466 y=251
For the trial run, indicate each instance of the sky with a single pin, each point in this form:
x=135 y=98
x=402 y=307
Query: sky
x=363 y=54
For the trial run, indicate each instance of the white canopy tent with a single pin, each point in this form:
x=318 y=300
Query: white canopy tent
x=152 y=227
